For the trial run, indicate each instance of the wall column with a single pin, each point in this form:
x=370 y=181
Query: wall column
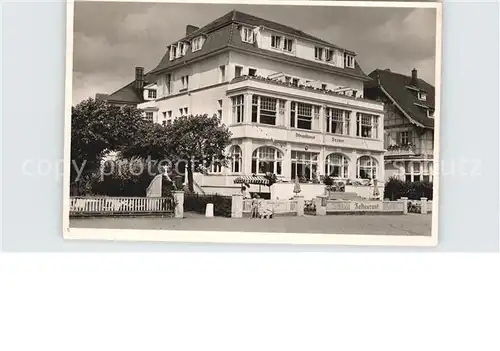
x=353 y=165
x=246 y=150
x=247 y=108
x=287 y=160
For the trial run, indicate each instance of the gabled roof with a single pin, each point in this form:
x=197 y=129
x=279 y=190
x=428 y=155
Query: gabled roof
x=400 y=89
x=129 y=94
x=223 y=34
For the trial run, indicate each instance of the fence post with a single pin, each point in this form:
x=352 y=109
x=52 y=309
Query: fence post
x=300 y=204
x=423 y=205
x=405 y=204
x=320 y=209
x=237 y=206
x=179 y=204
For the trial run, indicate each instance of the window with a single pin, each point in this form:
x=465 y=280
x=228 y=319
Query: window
x=422 y=96
x=238 y=108
x=366 y=168
x=267 y=159
x=301 y=115
x=264 y=109
x=318 y=53
x=295 y=82
x=197 y=43
x=222 y=72
x=337 y=121
x=180 y=49
x=168 y=84
x=219 y=108
x=235 y=155
x=304 y=165
x=169 y=114
x=288 y=45
x=329 y=54
x=348 y=60
x=288 y=79
x=149 y=116
x=430 y=113
x=367 y=126
x=184 y=83
x=151 y=94
x=404 y=138
x=323 y=86
x=185 y=111
x=238 y=70
x=247 y=35
x=252 y=72
x=337 y=166
x=276 y=41
x=173 y=52
x=164 y=114
x=180 y=112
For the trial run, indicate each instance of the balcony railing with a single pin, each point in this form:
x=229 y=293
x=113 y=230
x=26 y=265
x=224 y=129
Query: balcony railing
x=401 y=150
x=296 y=86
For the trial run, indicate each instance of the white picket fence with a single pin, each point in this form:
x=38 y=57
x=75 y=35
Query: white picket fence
x=120 y=205
x=276 y=206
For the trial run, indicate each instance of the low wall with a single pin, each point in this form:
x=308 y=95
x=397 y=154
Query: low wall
x=362 y=207
x=277 y=207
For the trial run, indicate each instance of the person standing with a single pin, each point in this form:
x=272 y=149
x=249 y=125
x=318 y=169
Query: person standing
x=255 y=206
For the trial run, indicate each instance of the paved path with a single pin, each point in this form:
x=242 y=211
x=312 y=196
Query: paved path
x=411 y=224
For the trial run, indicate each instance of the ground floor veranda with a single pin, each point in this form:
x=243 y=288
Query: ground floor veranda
x=308 y=162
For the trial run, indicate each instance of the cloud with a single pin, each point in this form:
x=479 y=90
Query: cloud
x=110 y=39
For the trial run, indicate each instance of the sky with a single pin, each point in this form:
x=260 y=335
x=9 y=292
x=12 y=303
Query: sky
x=111 y=39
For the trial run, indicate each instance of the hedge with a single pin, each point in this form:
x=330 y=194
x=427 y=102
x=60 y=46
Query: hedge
x=396 y=188
x=198 y=203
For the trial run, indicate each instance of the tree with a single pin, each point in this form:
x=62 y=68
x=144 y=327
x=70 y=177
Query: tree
x=97 y=128
x=198 y=141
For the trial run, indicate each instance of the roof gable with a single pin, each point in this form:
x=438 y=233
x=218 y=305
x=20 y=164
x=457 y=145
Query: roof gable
x=400 y=89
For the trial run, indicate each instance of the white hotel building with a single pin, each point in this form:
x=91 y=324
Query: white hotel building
x=294 y=103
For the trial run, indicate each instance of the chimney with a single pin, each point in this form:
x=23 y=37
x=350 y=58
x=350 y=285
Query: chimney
x=190 y=29
x=139 y=78
x=414 y=77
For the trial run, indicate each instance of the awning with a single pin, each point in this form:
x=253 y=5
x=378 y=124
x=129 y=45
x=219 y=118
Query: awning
x=251 y=180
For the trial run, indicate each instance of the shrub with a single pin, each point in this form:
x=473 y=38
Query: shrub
x=328 y=180
x=198 y=203
x=396 y=188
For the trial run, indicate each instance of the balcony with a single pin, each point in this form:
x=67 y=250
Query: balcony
x=401 y=150
x=313 y=94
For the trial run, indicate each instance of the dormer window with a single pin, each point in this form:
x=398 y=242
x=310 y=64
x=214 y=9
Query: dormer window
x=173 y=52
x=276 y=41
x=288 y=45
x=329 y=55
x=348 y=60
x=247 y=35
x=422 y=96
x=197 y=43
x=318 y=53
x=430 y=113
x=180 y=49
x=152 y=94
